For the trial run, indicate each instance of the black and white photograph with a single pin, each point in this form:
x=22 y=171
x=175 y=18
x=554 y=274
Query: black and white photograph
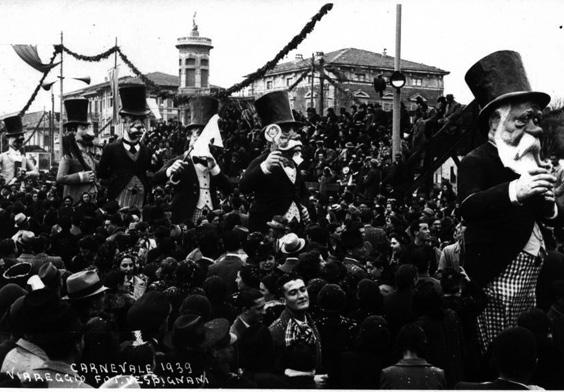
x=282 y=194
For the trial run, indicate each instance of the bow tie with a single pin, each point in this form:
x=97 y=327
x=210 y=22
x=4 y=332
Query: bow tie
x=200 y=160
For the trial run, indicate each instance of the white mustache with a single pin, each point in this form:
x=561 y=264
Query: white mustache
x=525 y=147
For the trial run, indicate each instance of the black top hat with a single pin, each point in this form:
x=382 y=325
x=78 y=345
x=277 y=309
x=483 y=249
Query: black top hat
x=133 y=100
x=202 y=108
x=14 y=126
x=498 y=78
x=274 y=108
x=77 y=111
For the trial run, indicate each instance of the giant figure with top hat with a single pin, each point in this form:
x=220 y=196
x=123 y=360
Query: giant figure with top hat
x=77 y=168
x=13 y=163
x=506 y=192
x=274 y=177
x=195 y=174
x=124 y=164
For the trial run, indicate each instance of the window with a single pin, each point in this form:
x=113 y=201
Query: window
x=416 y=82
x=289 y=82
x=190 y=78
x=204 y=77
x=204 y=62
x=269 y=85
x=309 y=79
x=387 y=106
x=190 y=62
x=179 y=61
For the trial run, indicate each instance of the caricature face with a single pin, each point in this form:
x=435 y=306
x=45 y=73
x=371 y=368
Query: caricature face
x=85 y=135
x=17 y=141
x=194 y=135
x=517 y=136
x=281 y=136
x=134 y=128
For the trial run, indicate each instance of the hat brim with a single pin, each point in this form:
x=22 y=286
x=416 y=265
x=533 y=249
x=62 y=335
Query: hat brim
x=135 y=113
x=300 y=248
x=276 y=225
x=15 y=134
x=76 y=123
x=99 y=291
x=536 y=96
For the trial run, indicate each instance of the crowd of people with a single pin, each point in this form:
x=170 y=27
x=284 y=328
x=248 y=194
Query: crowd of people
x=142 y=278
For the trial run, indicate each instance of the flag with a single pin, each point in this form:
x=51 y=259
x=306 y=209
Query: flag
x=210 y=135
x=28 y=53
x=152 y=103
x=114 y=87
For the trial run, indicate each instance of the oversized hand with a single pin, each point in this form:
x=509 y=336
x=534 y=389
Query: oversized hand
x=537 y=182
x=90 y=176
x=175 y=167
x=272 y=160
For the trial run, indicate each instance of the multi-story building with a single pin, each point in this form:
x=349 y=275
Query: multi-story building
x=353 y=71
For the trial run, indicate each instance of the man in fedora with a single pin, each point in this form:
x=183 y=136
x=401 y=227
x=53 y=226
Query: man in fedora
x=77 y=168
x=196 y=178
x=13 y=163
x=274 y=176
x=124 y=163
x=506 y=192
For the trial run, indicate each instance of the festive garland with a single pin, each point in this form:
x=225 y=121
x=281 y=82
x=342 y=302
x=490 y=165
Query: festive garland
x=148 y=82
x=302 y=76
x=259 y=73
x=34 y=94
x=293 y=44
x=98 y=57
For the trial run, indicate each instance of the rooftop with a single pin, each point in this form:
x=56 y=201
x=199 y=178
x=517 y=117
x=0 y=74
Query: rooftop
x=357 y=57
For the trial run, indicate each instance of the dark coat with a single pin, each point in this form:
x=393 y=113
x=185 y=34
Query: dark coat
x=117 y=168
x=274 y=192
x=187 y=191
x=496 y=230
x=412 y=374
x=278 y=333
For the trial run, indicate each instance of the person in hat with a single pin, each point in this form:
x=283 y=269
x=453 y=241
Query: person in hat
x=13 y=163
x=196 y=178
x=85 y=292
x=506 y=192
x=124 y=164
x=274 y=176
x=184 y=343
x=77 y=168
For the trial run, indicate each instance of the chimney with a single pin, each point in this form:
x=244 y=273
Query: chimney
x=385 y=52
x=299 y=57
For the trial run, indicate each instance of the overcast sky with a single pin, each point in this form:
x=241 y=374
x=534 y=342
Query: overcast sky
x=246 y=33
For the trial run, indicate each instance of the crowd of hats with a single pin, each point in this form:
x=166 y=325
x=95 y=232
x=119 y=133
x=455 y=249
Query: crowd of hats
x=57 y=262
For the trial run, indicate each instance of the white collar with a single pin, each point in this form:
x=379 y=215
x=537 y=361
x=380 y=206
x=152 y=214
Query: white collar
x=297 y=373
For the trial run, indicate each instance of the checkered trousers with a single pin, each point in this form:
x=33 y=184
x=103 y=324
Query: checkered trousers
x=510 y=294
x=133 y=195
x=198 y=213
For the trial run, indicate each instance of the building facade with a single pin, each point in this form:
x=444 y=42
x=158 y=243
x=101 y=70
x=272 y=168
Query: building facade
x=353 y=72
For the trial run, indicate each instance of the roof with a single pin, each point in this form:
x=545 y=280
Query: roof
x=358 y=57
x=161 y=79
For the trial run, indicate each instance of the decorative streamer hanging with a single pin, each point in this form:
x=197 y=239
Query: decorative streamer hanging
x=32 y=98
x=302 y=76
x=293 y=44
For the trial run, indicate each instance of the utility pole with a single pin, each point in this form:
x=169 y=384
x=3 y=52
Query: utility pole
x=321 y=92
x=61 y=102
x=52 y=128
x=114 y=107
x=312 y=103
x=396 y=128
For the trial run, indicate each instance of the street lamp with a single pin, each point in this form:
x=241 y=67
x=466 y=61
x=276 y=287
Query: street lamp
x=397 y=80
